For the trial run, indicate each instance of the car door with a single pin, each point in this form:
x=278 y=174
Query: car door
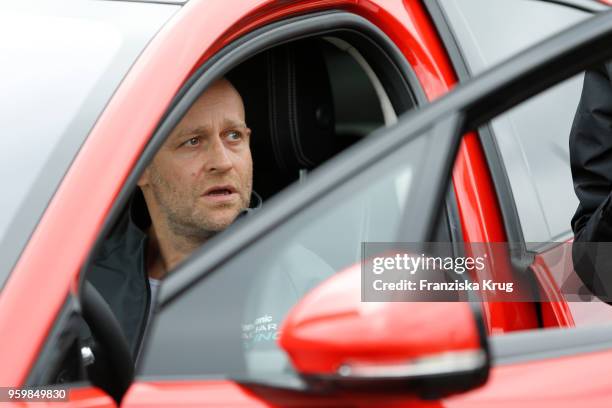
x=190 y=39
x=190 y=341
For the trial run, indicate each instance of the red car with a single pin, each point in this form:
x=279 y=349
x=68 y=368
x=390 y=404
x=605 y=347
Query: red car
x=98 y=86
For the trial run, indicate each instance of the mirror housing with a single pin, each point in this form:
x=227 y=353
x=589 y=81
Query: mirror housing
x=431 y=348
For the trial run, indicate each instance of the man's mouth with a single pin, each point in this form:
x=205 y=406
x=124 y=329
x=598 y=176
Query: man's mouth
x=222 y=192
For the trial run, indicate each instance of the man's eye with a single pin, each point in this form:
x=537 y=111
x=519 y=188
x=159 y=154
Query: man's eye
x=194 y=141
x=234 y=136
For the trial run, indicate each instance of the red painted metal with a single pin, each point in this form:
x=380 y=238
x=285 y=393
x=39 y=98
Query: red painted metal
x=213 y=393
x=481 y=221
x=87 y=397
x=331 y=326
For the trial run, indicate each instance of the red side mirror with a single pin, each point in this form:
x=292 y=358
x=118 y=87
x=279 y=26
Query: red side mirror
x=333 y=337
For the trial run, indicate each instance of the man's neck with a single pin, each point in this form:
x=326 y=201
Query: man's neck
x=165 y=252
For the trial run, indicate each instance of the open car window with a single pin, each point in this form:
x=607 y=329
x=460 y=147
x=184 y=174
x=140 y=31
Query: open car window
x=297 y=97
x=228 y=323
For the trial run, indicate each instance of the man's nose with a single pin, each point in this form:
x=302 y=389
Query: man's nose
x=218 y=156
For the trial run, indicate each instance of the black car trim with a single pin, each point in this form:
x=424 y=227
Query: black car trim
x=456 y=55
x=501 y=181
x=433 y=180
x=454 y=220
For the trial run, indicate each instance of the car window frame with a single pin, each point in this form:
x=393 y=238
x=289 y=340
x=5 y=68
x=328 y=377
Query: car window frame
x=361 y=28
x=405 y=90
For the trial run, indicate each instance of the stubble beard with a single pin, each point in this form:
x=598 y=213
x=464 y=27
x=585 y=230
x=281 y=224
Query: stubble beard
x=186 y=220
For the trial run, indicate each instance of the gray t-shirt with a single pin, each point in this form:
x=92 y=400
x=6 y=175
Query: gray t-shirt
x=154 y=284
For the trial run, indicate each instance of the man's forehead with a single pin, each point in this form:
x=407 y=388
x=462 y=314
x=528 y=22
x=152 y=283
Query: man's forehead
x=219 y=106
x=203 y=128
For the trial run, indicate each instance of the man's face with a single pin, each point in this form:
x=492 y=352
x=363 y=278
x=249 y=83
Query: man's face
x=201 y=178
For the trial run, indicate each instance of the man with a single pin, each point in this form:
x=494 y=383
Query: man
x=198 y=183
x=591 y=162
x=200 y=180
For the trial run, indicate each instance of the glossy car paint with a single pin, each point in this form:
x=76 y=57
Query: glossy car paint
x=481 y=221
x=331 y=326
x=87 y=397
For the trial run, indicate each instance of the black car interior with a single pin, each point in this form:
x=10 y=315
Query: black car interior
x=305 y=102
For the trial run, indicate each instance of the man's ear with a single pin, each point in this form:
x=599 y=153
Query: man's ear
x=144 y=178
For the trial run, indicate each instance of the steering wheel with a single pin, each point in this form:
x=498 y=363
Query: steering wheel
x=113 y=367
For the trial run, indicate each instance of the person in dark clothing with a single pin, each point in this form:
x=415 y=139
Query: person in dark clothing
x=591 y=164
x=197 y=185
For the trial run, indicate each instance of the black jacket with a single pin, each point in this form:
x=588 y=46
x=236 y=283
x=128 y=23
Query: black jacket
x=119 y=270
x=591 y=164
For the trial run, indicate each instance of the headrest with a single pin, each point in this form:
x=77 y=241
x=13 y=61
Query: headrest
x=289 y=108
